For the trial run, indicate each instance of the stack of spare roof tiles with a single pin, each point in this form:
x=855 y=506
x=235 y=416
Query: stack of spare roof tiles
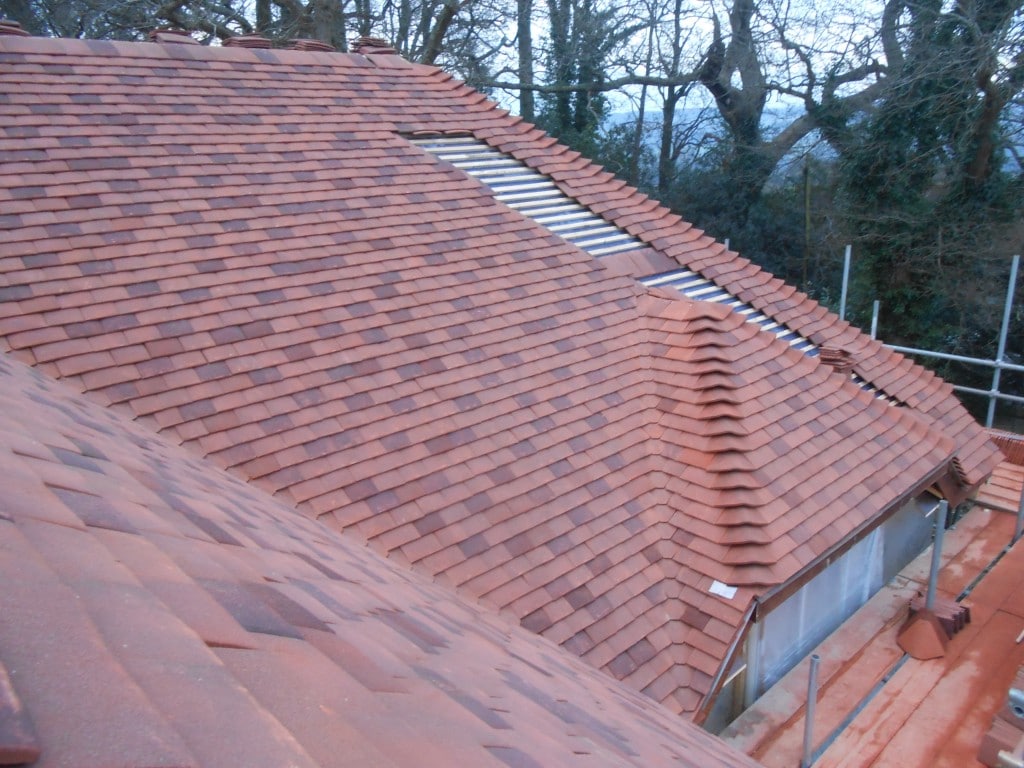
x=1012 y=446
x=1004 y=489
x=246 y=252
x=248 y=41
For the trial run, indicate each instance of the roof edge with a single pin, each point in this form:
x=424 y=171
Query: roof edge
x=146 y=50
x=719 y=680
x=779 y=593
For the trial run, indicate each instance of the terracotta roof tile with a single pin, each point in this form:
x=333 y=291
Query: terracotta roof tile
x=366 y=332
x=234 y=624
x=826 y=455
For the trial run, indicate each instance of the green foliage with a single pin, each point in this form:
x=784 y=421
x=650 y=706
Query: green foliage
x=932 y=209
x=616 y=148
x=773 y=232
x=578 y=124
x=94 y=19
x=924 y=196
x=583 y=35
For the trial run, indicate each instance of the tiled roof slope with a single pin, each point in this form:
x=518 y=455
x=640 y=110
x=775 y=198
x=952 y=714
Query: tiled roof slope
x=239 y=249
x=159 y=612
x=674 y=241
x=797 y=456
x=766 y=461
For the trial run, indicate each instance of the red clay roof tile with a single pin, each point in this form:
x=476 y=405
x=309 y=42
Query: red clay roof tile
x=364 y=330
x=175 y=664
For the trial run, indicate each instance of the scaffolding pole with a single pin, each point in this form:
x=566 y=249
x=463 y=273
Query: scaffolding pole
x=1019 y=528
x=933 y=576
x=999 y=364
x=847 y=256
x=1004 y=330
x=812 y=700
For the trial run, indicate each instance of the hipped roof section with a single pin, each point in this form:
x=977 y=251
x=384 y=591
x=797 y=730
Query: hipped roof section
x=159 y=612
x=239 y=249
x=771 y=457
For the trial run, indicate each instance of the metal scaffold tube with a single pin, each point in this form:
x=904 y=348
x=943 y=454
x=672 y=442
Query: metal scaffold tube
x=999 y=363
x=1019 y=528
x=1003 y=331
x=847 y=257
x=940 y=534
x=812 y=700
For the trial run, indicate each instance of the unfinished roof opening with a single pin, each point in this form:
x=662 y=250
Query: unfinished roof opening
x=537 y=196
x=695 y=286
x=531 y=193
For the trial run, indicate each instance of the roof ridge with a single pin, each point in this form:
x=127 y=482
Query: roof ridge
x=166 y=48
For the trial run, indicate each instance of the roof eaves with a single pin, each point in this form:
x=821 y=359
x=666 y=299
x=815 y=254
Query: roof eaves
x=778 y=594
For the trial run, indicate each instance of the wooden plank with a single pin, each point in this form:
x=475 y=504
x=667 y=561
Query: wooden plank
x=853 y=660
x=935 y=713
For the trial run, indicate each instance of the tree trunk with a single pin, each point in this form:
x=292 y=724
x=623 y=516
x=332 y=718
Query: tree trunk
x=435 y=38
x=524 y=21
x=402 y=41
x=638 y=134
x=559 y=12
x=983 y=144
x=263 y=16
x=666 y=155
x=324 y=21
x=364 y=18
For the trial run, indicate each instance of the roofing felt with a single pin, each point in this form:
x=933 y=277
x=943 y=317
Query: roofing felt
x=159 y=612
x=242 y=250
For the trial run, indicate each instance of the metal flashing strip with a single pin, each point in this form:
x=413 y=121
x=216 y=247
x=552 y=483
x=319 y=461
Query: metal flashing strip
x=695 y=286
x=531 y=193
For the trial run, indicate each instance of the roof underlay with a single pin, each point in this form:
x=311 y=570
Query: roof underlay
x=239 y=250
